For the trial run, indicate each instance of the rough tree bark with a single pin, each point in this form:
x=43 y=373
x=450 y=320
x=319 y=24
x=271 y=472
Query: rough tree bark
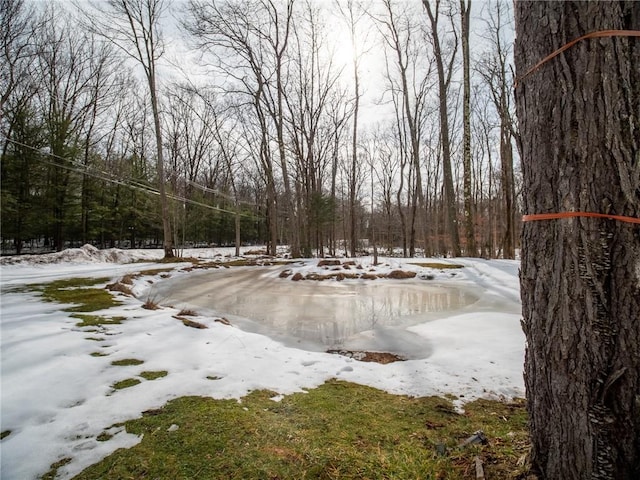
x=579 y=117
x=469 y=207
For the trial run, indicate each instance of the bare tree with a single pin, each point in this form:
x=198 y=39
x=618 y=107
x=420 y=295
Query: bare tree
x=339 y=112
x=249 y=42
x=72 y=72
x=444 y=79
x=134 y=27
x=385 y=170
x=494 y=70
x=409 y=77
x=579 y=115
x=352 y=17
x=16 y=46
x=469 y=227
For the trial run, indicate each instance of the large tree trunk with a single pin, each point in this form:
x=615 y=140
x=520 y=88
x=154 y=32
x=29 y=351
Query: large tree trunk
x=579 y=119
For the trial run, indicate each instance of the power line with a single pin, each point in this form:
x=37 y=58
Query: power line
x=77 y=167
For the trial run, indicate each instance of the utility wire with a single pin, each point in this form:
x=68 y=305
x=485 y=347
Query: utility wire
x=131 y=183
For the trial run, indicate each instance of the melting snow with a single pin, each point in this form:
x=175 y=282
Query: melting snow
x=57 y=398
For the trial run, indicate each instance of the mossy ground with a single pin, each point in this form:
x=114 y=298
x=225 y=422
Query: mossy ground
x=438 y=265
x=78 y=291
x=153 y=374
x=122 y=384
x=96 y=320
x=336 y=431
x=125 y=362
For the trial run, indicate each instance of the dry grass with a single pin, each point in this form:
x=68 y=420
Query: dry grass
x=369 y=276
x=328 y=262
x=119 y=287
x=262 y=251
x=190 y=323
x=339 y=275
x=400 y=274
x=437 y=265
x=362 y=356
x=150 y=304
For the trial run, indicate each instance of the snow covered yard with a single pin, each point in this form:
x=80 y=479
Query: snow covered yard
x=58 y=395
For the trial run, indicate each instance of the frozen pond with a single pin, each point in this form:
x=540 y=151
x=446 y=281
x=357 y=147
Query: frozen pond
x=320 y=315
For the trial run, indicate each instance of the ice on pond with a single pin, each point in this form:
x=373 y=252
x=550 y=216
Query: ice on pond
x=321 y=314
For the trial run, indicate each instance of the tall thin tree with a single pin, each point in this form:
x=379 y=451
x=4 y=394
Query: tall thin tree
x=469 y=227
x=444 y=79
x=496 y=73
x=352 y=17
x=134 y=27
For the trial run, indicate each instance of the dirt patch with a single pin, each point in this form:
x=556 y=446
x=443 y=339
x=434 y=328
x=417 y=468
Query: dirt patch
x=328 y=263
x=377 y=357
x=119 y=287
x=339 y=275
x=190 y=323
x=285 y=273
x=400 y=274
x=369 y=276
x=262 y=251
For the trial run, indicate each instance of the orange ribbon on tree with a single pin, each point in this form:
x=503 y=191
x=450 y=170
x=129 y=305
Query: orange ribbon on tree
x=554 y=216
x=598 y=34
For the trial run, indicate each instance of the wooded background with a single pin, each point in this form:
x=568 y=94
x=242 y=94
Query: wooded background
x=330 y=127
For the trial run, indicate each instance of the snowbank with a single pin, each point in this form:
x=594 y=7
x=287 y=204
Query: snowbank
x=58 y=377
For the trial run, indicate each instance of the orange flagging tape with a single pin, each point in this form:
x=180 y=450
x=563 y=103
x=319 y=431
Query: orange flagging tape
x=554 y=216
x=601 y=33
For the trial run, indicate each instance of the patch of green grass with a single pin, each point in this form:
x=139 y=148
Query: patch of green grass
x=154 y=375
x=4 y=434
x=53 y=472
x=336 y=431
x=104 y=436
x=76 y=291
x=99 y=354
x=239 y=262
x=129 y=382
x=127 y=362
x=178 y=260
x=441 y=266
x=96 y=320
